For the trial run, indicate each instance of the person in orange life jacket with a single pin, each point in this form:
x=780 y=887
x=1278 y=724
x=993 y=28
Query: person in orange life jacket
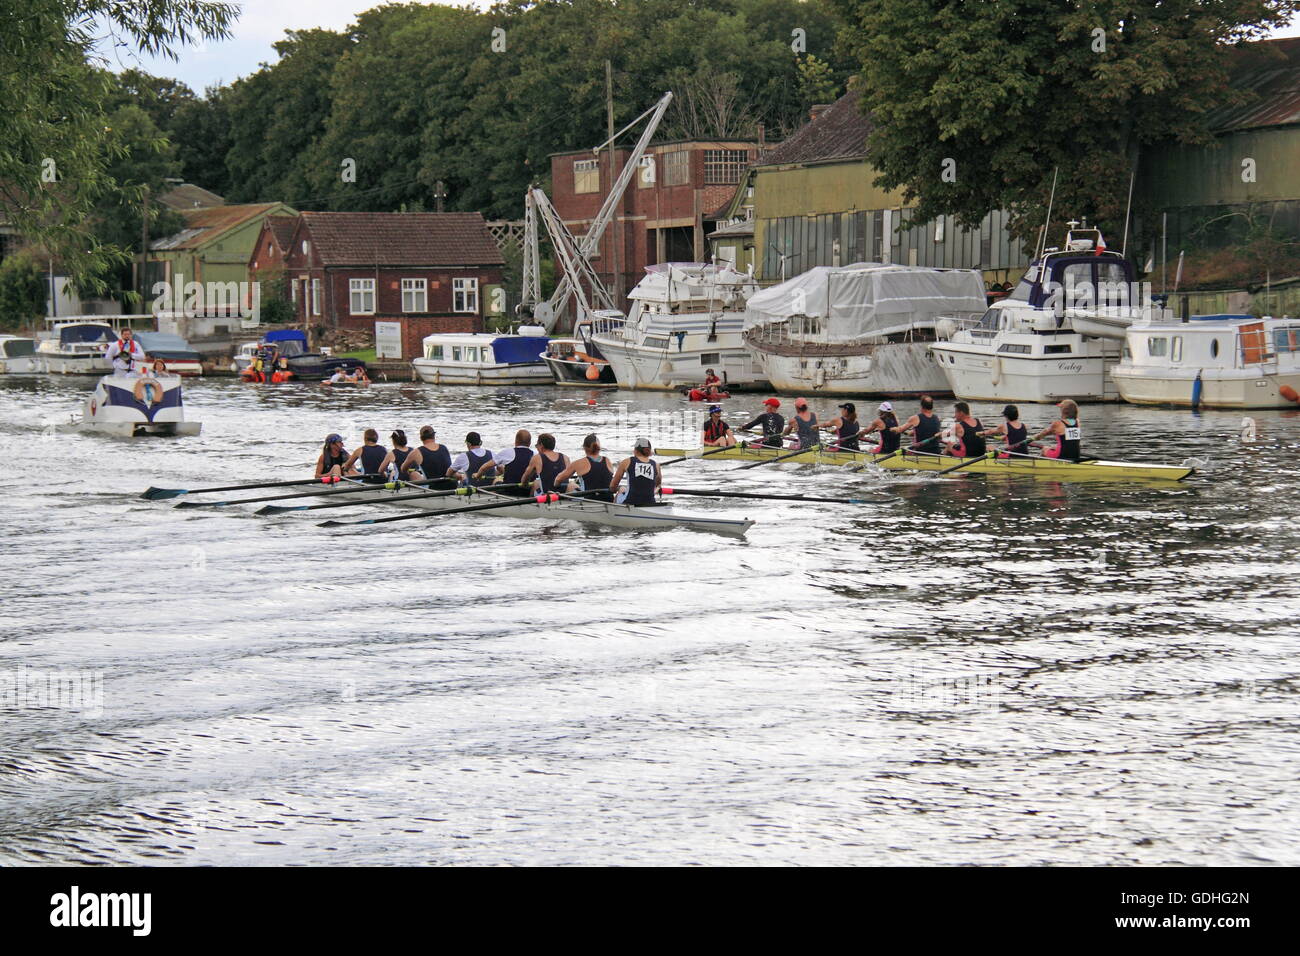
x=333 y=460
x=1068 y=434
x=511 y=463
x=643 y=475
x=886 y=423
x=1011 y=429
x=373 y=457
x=927 y=428
x=467 y=466
x=592 y=470
x=546 y=465
x=429 y=461
x=772 y=423
x=397 y=455
x=125 y=354
x=717 y=433
x=968 y=441
x=846 y=427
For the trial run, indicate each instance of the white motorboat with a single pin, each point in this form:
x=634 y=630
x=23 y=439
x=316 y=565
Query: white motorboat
x=860 y=329
x=1214 y=361
x=244 y=356
x=77 y=347
x=686 y=317
x=469 y=358
x=577 y=361
x=1057 y=336
x=129 y=406
x=174 y=352
x=18 y=355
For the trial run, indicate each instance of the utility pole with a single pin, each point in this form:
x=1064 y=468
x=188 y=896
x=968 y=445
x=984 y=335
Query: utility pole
x=616 y=240
x=143 y=280
x=439 y=194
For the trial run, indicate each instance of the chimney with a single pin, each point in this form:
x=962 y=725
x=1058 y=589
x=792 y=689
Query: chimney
x=817 y=110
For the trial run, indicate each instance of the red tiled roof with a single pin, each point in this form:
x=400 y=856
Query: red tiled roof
x=202 y=225
x=838 y=133
x=401 y=238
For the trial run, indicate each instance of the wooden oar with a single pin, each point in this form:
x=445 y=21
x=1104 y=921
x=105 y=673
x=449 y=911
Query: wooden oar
x=159 y=494
x=394 y=500
x=353 y=488
x=772 y=461
x=529 y=500
x=715 y=493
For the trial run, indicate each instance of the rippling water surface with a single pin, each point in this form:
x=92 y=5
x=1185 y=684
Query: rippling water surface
x=960 y=671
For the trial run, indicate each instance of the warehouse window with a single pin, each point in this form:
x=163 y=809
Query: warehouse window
x=677 y=168
x=361 y=296
x=464 y=295
x=414 y=295
x=722 y=167
x=586 y=176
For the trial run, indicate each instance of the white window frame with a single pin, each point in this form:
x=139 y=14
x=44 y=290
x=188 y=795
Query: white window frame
x=415 y=288
x=362 y=288
x=464 y=294
x=315 y=296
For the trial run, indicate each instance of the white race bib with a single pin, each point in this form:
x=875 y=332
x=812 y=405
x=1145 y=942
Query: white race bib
x=1073 y=433
x=644 y=469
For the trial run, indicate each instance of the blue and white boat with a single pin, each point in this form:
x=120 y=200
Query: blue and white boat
x=472 y=358
x=129 y=406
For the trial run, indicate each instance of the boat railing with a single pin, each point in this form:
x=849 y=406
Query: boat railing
x=1258 y=347
x=948 y=324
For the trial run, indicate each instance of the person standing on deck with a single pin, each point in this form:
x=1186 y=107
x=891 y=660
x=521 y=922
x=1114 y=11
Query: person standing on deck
x=717 y=433
x=333 y=460
x=546 y=464
x=592 y=471
x=773 y=425
x=1015 y=433
x=1069 y=435
x=513 y=462
x=430 y=461
x=886 y=423
x=846 y=427
x=373 y=457
x=968 y=433
x=643 y=475
x=804 y=423
x=926 y=426
x=468 y=467
x=125 y=354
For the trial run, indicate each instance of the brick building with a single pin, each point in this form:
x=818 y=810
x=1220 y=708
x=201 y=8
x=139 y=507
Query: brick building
x=429 y=271
x=667 y=211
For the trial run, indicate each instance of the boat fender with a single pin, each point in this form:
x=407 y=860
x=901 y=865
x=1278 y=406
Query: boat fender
x=995 y=370
x=1196 y=391
x=593 y=373
x=1289 y=393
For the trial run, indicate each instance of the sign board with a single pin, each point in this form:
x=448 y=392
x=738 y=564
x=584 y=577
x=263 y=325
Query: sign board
x=388 y=340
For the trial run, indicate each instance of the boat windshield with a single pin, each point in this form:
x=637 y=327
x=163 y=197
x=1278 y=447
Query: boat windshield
x=1287 y=339
x=85 y=334
x=17 y=348
x=989 y=320
x=291 y=347
x=1022 y=291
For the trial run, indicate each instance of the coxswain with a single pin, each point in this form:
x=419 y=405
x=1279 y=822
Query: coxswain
x=430 y=461
x=1068 y=434
x=373 y=457
x=717 y=433
x=592 y=471
x=643 y=476
x=333 y=460
x=925 y=426
x=772 y=424
x=467 y=467
x=125 y=354
x=397 y=455
x=511 y=463
x=886 y=423
x=804 y=424
x=847 y=428
x=546 y=465
x=1012 y=431
x=968 y=434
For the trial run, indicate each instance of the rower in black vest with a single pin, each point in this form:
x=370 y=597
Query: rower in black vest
x=925 y=426
x=512 y=463
x=1016 y=434
x=643 y=476
x=333 y=460
x=592 y=470
x=969 y=433
x=546 y=464
x=398 y=454
x=846 y=427
x=1068 y=432
x=467 y=467
x=429 y=461
x=372 y=456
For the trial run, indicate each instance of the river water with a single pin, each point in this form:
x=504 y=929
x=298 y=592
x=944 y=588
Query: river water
x=958 y=671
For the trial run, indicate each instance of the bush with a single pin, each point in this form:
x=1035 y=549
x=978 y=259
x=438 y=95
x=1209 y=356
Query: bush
x=23 y=291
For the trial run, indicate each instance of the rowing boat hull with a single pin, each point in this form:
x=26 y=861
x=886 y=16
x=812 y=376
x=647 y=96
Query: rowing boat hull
x=581 y=510
x=1047 y=468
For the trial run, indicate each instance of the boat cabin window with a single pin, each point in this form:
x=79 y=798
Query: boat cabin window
x=655 y=342
x=455 y=353
x=709 y=359
x=1176 y=349
x=1076 y=279
x=16 y=348
x=1128 y=352
x=1214 y=348
x=435 y=352
x=471 y=353
x=1157 y=347
x=1057 y=349
x=1112 y=284
x=85 y=334
x=1015 y=349
x=989 y=320
x=1287 y=339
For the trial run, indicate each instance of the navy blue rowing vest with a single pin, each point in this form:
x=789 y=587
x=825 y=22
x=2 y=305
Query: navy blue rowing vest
x=514 y=472
x=476 y=461
x=372 y=456
x=550 y=469
x=927 y=432
x=642 y=476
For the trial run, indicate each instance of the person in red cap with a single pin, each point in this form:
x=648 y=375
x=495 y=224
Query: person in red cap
x=804 y=424
x=771 y=423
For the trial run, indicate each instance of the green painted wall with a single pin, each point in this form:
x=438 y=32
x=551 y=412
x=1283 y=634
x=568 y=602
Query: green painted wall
x=809 y=190
x=1198 y=176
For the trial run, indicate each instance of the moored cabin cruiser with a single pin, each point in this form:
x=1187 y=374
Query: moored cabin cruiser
x=860 y=329
x=130 y=405
x=18 y=355
x=469 y=358
x=1213 y=361
x=173 y=350
x=1058 y=334
x=77 y=347
x=577 y=361
x=685 y=317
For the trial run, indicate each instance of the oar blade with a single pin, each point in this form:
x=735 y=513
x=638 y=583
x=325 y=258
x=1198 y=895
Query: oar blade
x=200 y=504
x=279 y=509
x=161 y=494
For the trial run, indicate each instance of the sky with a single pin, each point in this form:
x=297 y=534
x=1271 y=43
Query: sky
x=263 y=22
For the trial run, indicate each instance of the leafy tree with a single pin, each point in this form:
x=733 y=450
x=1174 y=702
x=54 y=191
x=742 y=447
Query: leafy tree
x=1009 y=91
x=23 y=290
x=200 y=129
x=57 y=149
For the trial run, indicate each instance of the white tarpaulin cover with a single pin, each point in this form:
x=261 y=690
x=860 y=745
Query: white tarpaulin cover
x=867 y=299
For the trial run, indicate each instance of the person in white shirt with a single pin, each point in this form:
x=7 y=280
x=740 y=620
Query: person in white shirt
x=468 y=465
x=126 y=354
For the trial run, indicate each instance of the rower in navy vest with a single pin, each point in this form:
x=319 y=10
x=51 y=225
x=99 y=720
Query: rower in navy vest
x=333 y=460
x=513 y=462
x=968 y=434
x=846 y=427
x=926 y=427
x=886 y=423
x=1069 y=434
x=373 y=457
x=430 y=461
x=1013 y=431
x=468 y=467
x=397 y=455
x=592 y=471
x=804 y=424
x=643 y=476
x=771 y=423
x=546 y=465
